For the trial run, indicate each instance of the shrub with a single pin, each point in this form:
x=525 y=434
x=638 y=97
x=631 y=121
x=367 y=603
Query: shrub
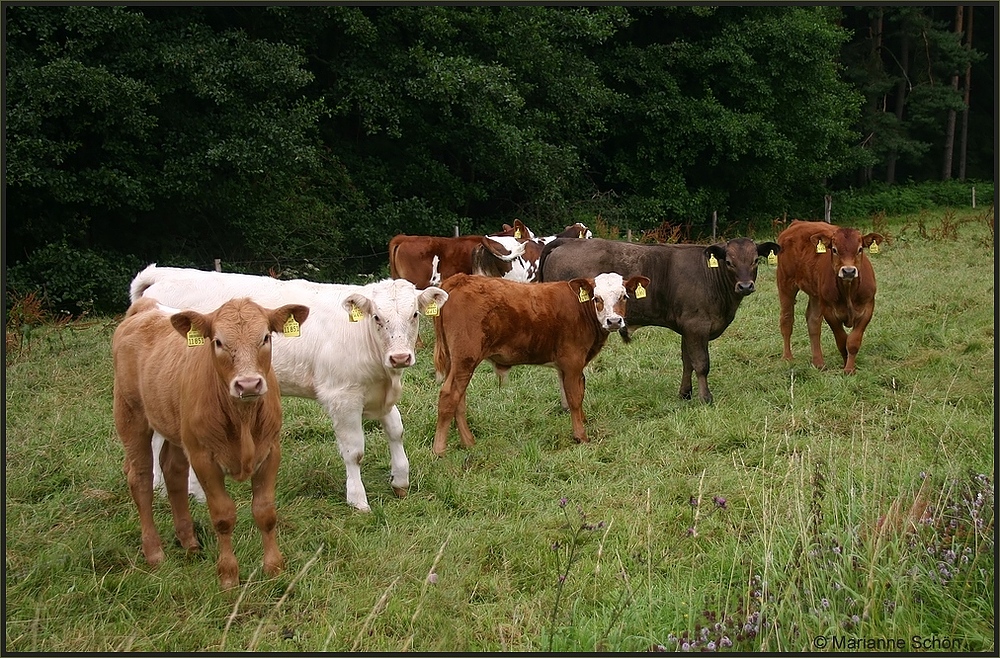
x=74 y=281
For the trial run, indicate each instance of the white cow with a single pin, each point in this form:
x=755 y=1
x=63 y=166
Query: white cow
x=350 y=359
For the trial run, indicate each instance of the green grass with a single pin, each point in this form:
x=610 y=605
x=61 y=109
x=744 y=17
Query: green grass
x=756 y=518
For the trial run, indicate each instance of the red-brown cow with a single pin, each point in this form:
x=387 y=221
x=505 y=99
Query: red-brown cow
x=509 y=323
x=427 y=260
x=215 y=399
x=829 y=264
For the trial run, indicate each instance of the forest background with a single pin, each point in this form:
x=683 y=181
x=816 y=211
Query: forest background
x=297 y=140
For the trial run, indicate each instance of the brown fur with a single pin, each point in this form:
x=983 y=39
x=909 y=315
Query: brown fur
x=842 y=302
x=411 y=256
x=512 y=323
x=193 y=396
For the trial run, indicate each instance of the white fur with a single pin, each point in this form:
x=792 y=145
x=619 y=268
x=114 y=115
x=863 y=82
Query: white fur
x=353 y=369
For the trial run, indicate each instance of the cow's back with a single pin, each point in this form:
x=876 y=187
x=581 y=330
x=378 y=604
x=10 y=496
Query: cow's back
x=799 y=263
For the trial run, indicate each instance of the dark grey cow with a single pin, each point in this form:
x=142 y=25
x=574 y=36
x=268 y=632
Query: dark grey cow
x=694 y=289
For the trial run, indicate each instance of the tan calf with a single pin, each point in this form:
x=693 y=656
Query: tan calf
x=204 y=382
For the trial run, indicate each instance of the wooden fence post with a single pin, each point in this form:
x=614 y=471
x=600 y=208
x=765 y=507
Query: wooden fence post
x=827 y=206
x=715 y=221
x=218 y=264
x=973 y=196
x=456 y=230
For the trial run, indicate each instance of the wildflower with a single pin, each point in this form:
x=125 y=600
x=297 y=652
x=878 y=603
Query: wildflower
x=562 y=502
x=725 y=642
x=825 y=602
x=710 y=646
x=691 y=532
x=693 y=502
x=562 y=578
x=719 y=501
x=686 y=646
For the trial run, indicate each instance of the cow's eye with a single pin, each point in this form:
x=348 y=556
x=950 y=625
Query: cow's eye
x=415 y=314
x=834 y=250
x=217 y=343
x=860 y=249
x=267 y=338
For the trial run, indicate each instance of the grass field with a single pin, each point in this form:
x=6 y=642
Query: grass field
x=803 y=510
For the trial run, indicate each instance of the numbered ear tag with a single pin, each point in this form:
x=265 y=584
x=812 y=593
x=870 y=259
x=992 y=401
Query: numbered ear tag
x=431 y=310
x=772 y=259
x=291 y=328
x=584 y=297
x=874 y=248
x=640 y=292
x=712 y=262
x=517 y=234
x=195 y=338
x=581 y=234
x=356 y=314
x=820 y=247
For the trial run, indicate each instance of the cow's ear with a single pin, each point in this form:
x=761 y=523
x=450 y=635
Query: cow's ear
x=279 y=317
x=818 y=239
x=767 y=248
x=877 y=238
x=637 y=282
x=521 y=231
x=431 y=295
x=495 y=247
x=189 y=321
x=356 y=304
x=583 y=289
x=716 y=250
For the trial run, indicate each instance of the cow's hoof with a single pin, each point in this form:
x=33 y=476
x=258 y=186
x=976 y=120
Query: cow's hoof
x=400 y=492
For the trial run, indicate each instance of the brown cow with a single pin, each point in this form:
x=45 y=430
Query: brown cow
x=511 y=323
x=829 y=264
x=215 y=398
x=427 y=260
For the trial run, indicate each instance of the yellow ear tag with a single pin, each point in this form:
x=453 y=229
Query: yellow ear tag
x=584 y=297
x=431 y=310
x=195 y=338
x=640 y=292
x=356 y=314
x=772 y=259
x=874 y=248
x=712 y=262
x=517 y=234
x=581 y=234
x=820 y=247
x=291 y=328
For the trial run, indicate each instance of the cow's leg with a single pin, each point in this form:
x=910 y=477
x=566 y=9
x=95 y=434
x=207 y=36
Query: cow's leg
x=345 y=412
x=786 y=298
x=573 y=383
x=399 y=465
x=451 y=396
x=222 y=510
x=840 y=335
x=175 y=476
x=694 y=353
x=137 y=438
x=193 y=486
x=814 y=322
x=264 y=515
x=854 y=343
x=562 y=393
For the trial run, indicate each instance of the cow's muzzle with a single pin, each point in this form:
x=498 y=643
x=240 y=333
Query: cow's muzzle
x=848 y=273
x=744 y=288
x=248 y=387
x=401 y=359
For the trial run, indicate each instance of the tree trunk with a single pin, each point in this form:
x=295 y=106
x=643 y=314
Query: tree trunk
x=901 y=88
x=964 y=140
x=949 y=133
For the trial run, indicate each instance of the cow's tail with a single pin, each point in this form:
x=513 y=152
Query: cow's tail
x=393 y=249
x=142 y=281
x=542 y=257
x=442 y=360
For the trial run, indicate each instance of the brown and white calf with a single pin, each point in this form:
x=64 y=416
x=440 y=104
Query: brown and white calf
x=205 y=383
x=829 y=264
x=509 y=323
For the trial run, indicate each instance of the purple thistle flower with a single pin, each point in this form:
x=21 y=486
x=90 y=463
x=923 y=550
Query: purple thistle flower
x=725 y=642
x=562 y=502
x=719 y=501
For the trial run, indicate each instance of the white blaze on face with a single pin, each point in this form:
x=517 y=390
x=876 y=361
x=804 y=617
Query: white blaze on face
x=394 y=307
x=609 y=300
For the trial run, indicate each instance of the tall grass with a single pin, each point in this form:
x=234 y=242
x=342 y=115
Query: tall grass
x=803 y=510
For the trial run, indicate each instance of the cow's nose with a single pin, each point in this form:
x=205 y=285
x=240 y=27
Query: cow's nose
x=400 y=360
x=252 y=386
x=744 y=287
x=614 y=323
x=848 y=272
